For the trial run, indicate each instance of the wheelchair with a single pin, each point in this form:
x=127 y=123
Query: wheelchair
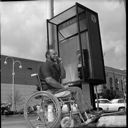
x=52 y=110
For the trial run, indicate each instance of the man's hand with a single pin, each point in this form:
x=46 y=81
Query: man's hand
x=59 y=60
x=66 y=86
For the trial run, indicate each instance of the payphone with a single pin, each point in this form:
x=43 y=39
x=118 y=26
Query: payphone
x=77 y=40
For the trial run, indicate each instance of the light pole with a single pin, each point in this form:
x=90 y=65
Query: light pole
x=13 y=78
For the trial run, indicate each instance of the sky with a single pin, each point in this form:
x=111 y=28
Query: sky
x=24 y=32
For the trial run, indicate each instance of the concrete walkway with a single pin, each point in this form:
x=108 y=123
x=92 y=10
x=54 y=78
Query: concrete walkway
x=116 y=121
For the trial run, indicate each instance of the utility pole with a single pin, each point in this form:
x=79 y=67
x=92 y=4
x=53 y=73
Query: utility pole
x=97 y=98
x=51 y=8
x=52 y=40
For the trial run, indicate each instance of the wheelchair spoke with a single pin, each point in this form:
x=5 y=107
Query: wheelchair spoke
x=36 y=110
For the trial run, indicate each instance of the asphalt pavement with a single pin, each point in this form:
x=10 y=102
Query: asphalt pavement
x=108 y=120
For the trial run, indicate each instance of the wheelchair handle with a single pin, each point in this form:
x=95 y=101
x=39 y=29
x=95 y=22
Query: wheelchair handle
x=35 y=74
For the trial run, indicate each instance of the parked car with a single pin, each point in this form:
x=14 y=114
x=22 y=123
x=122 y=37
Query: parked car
x=121 y=103
x=107 y=105
x=5 y=108
x=103 y=104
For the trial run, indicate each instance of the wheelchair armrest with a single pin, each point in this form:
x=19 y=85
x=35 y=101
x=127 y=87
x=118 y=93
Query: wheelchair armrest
x=35 y=74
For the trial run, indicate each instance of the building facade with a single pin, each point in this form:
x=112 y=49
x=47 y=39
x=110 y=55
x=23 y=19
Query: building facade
x=115 y=80
x=25 y=85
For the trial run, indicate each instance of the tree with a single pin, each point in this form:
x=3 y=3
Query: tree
x=18 y=98
x=109 y=94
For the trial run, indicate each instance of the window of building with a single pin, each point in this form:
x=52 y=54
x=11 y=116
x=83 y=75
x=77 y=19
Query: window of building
x=121 y=82
x=116 y=84
x=111 y=82
x=29 y=68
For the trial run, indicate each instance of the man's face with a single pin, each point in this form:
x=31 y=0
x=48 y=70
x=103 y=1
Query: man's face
x=53 y=55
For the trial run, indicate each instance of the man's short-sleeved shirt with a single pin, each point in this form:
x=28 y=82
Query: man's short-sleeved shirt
x=49 y=69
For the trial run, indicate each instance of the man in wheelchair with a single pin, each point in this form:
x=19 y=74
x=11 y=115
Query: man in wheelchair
x=52 y=72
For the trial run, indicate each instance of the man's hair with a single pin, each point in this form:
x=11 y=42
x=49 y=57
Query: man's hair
x=47 y=53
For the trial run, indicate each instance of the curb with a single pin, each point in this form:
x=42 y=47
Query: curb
x=11 y=117
x=113 y=113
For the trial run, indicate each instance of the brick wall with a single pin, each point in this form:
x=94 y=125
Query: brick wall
x=22 y=76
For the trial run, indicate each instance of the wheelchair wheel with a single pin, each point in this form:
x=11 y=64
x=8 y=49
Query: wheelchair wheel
x=67 y=122
x=37 y=111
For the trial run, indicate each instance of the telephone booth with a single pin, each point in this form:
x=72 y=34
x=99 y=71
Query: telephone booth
x=76 y=37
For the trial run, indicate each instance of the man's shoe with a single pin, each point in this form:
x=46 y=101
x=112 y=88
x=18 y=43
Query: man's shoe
x=84 y=116
x=88 y=121
x=91 y=117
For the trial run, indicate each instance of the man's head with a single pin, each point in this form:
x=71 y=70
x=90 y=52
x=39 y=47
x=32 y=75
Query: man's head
x=52 y=55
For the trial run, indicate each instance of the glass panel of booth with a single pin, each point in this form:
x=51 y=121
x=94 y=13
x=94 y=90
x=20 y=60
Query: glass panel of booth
x=65 y=15
x=71 y=56
x=68 y=52
x=69 y=28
